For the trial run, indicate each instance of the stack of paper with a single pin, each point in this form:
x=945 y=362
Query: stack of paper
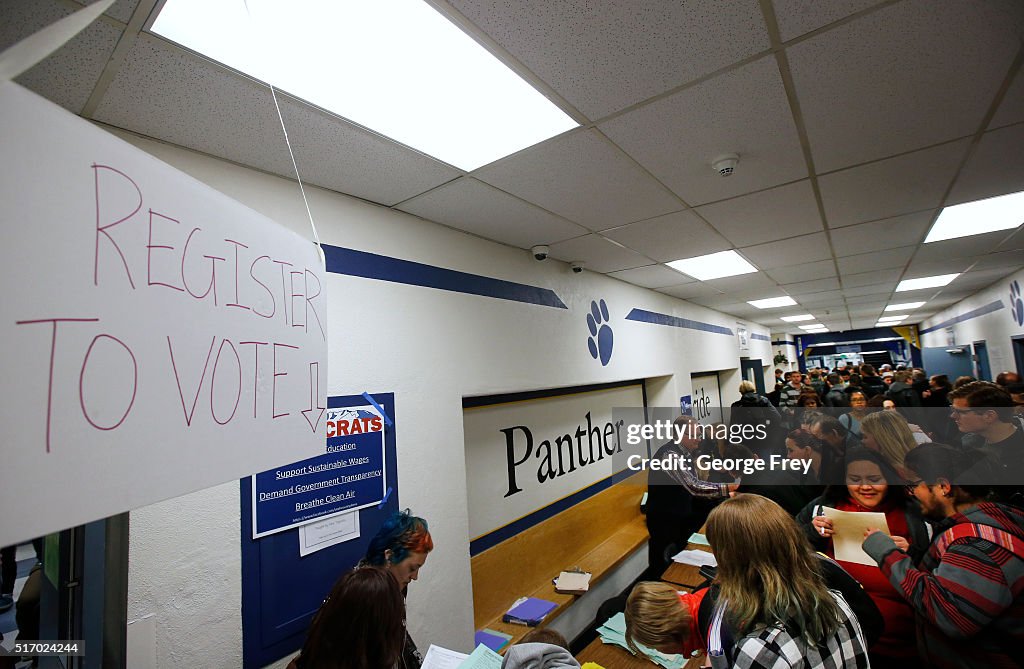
x=493 y=639
x=572 y=582
x=528 y=611
x=699 y=539
x=614 y=632
x=695 y=557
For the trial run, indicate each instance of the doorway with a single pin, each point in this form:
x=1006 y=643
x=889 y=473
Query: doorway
x=752 y=370
x=981 y=366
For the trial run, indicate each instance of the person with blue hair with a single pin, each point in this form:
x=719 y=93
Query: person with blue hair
x=401 y=546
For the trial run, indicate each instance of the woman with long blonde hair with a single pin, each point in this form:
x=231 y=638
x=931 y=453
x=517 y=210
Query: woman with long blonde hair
x=773 y=596
x=888 y=434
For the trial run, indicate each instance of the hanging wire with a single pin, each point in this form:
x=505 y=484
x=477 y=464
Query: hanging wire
x=291 y=153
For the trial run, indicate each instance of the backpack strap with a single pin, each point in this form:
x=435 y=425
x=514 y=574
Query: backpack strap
x=991 y=534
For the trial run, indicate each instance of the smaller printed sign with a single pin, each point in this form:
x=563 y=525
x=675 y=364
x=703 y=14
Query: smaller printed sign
x=351 y=475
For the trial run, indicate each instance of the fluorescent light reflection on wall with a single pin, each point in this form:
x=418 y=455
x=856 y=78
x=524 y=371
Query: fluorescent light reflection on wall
x=398 y=68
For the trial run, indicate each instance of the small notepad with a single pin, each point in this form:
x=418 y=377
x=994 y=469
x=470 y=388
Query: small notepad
x=573 y=583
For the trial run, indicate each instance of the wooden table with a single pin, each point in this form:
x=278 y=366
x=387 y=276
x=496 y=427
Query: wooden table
x=613 y=657
x=687 y=577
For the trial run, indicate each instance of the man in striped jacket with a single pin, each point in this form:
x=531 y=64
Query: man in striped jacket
x=968 y=591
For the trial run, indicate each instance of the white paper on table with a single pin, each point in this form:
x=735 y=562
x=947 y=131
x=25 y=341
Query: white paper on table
x=849 y=527
x=698 y=558
x=328 y=531
x=442 y=658
x=571 y=581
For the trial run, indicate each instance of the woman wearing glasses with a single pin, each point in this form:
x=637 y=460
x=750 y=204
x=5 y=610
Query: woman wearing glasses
x=868 y=489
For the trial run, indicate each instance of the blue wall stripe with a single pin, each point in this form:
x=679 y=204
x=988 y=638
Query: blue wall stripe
x=980 y=311
x=783 y=342
x=385 y=268
x=644 y=316
x=760 y=337
x=494 y=538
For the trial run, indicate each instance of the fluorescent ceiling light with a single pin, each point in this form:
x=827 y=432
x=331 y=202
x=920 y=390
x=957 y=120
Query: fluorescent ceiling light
x=812 y=326
x=713 y=265
x=399 y=68
x=926 y=282
x=908 y=306
x=974 y=218
x=768 y=303
x=886 y=324
x=893 y=318
x=797 y=319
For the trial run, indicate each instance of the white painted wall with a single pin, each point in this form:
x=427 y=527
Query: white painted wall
x=430 y=348
x=996 y=328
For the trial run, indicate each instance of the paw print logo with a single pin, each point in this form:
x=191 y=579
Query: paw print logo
x=601 y=339
x=1016 y=304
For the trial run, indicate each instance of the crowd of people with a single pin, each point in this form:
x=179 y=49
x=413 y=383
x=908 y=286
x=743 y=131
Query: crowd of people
x=942 y=463
x=942 y=585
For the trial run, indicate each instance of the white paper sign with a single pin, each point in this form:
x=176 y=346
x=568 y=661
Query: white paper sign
x=330 y=531
x=159 y=337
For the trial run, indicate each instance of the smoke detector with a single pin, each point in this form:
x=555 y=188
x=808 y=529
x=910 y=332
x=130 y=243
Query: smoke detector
x=725 y=165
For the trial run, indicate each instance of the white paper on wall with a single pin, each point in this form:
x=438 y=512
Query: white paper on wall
x=160 y=337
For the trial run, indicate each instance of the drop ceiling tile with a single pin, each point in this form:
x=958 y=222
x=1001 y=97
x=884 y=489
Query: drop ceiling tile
x=858 y=311
x=670 y=237
x=875 y=289
x=744 y=111
x=788 y=252
x=887 y=188
x=918 y=268
x=1012 y=108
x=798 y=290
x=880 y=235
x=961 y=247
x=754 y=286
x=996 y=167
x=326 y=146
x=604 y=57
x=584 y=178
x=796 y=17
x=1014 y=242
x=600 y=254
x=881 y=84
x=1012 y=259
x=473 y=206
x=976 y=280
x=829 y=299
x=871 y=277
x=800 y=273
x=776 y=213
x=66 y=77
x=652 y=276
x=869 y=262
x=690 y=291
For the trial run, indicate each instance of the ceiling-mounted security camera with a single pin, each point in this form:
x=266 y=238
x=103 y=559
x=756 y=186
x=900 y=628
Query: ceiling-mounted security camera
x=578 y=266
x=540 y=252
x=726 y=164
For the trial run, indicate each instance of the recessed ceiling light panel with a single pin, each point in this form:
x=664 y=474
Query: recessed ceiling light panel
x=771 y=302
x=812 y=326
x=399 y=68
x=906 y=306
x=893 y=318
x=1004 y=212
x=713 y=265
x=797 y=319
x=926 y=282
